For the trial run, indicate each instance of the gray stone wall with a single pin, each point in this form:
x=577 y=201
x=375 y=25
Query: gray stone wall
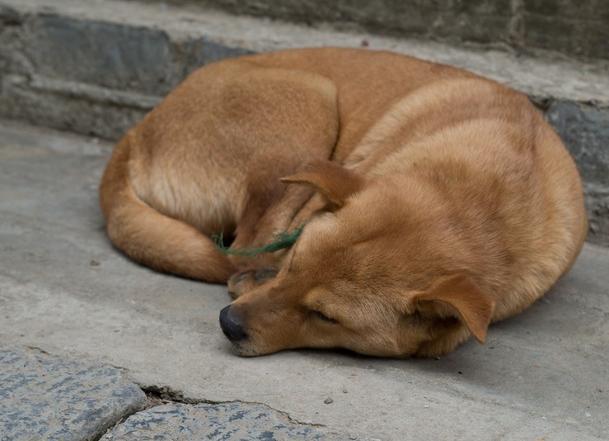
x=573 y=27
x=91 y=77
x=585 y=130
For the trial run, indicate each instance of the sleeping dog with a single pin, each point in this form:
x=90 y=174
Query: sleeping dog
x=432 y=201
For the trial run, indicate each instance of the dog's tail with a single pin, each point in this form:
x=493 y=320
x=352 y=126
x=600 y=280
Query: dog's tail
x=150 y=237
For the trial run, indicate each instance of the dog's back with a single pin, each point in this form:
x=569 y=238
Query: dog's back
x=397 y=111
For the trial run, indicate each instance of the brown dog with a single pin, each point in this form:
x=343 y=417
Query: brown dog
x=434 y=201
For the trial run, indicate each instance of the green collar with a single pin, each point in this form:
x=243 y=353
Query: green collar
x=282 y=240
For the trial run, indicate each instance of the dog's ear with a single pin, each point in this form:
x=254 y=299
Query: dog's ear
x=333 y=181
x=459 y=294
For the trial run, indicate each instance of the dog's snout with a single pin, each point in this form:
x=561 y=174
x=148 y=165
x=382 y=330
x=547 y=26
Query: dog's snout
x=232 y=325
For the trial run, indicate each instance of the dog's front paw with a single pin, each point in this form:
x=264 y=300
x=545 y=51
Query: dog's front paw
x=244 y=281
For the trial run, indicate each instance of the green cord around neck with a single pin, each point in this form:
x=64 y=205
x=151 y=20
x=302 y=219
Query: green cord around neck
x=282 y=240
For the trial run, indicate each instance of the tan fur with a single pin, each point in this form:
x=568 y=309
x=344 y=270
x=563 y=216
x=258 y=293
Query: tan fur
x=435 y=201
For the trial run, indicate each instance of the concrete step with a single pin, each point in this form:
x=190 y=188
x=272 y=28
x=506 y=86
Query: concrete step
x=64 y=289
x=98 y=66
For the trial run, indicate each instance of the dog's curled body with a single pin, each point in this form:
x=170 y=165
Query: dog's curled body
x=435 y=201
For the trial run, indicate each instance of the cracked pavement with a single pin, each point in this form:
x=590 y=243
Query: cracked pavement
x=65 y=290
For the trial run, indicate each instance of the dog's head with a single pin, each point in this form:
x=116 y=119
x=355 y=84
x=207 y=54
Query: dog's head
x=372 y=275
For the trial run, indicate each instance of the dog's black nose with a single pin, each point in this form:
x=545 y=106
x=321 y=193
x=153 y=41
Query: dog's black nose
x=231 y=325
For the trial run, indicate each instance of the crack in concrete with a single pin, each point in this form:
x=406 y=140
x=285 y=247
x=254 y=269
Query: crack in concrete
x=164 y=394
x=120 y=421
x=37 y=349
x=157 y=393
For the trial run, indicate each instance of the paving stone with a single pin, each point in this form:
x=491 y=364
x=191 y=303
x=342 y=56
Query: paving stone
x=43 y=397
x=224 y=421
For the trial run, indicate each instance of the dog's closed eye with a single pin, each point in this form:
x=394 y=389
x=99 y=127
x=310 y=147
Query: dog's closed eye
x=321 y=316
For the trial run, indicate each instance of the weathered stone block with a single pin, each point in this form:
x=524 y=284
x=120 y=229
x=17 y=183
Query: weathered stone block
x=224 y=421
x=105 y=54
x=574 y=9
x=91 y=77
x=11 y=22
x=197 y=52
x=70 y=108
x=578 y=37
x=585 y=131
x=49 y=398
x=574 y=27
x=477 y=20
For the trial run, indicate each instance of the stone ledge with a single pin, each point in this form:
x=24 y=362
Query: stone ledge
x=183 y=38
x=573 y=27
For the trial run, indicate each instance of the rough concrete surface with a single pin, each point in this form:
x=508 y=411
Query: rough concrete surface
x=225 y=421
x=63 y=288
x=43 y=397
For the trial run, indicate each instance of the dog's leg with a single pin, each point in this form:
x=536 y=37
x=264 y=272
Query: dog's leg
x=244 y=281
x=308 y=130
